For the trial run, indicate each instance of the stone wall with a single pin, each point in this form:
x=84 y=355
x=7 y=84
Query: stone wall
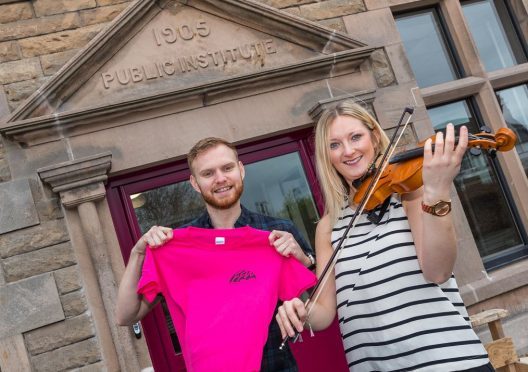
x=45 y=323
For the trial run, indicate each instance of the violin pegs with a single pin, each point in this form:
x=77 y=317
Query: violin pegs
x=475 y=151
x=485 y=129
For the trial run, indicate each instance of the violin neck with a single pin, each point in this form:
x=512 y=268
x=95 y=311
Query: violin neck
x=407 y=155
x=412 y=154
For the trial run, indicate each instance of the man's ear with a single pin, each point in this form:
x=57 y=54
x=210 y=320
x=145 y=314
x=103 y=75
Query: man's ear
x=194 y=184
x=242 y=170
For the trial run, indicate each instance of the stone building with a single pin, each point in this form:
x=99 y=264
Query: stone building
x=101 y=99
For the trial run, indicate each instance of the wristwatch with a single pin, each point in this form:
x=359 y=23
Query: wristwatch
x=440 y=208
x=312 y=261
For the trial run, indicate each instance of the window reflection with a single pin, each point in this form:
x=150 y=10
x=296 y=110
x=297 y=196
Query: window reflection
x=479 y=189
x=513 y=103
x=426 y=47
x=494 y=34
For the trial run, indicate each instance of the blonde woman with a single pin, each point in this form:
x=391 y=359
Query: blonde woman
x=398 y=303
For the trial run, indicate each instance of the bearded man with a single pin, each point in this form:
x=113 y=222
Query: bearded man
x=217 y=174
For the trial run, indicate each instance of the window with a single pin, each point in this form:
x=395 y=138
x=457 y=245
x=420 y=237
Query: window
x=513 y=103
x=494 y=33
x=479 y=188
x=426 y=45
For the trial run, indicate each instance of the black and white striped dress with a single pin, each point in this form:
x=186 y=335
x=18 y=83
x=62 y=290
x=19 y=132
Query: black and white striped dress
x=391 y=318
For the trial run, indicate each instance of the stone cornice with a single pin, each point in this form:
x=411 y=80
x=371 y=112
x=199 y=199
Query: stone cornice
x=78 y=173
x=364 y=96
x=124 y=27
x=56 y=125
x=268 y=19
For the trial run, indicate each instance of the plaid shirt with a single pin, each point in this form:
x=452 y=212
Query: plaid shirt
x=273 y=359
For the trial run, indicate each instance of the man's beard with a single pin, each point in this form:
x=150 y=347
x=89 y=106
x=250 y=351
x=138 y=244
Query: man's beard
x=224 y=203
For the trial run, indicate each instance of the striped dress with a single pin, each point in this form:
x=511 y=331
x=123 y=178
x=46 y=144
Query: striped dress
x=391 y=318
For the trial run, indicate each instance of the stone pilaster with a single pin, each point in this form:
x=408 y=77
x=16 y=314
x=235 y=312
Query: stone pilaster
x=80 y=184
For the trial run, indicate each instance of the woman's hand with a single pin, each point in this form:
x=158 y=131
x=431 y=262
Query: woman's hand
x=442 y=165
x=291 y=316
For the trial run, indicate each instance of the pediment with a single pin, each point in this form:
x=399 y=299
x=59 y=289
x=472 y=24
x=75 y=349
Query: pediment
x=158 y=52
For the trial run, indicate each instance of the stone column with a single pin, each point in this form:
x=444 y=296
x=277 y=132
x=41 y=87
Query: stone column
x=80 y=184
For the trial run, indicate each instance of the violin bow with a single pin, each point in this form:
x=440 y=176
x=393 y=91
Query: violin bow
x=321 y=282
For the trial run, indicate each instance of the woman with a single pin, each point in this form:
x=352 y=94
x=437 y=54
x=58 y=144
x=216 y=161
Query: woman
x=397 y=301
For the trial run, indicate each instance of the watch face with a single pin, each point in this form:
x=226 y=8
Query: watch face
x=442 y=208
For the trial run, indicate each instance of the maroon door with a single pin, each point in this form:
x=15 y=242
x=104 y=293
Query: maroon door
x=280 y=181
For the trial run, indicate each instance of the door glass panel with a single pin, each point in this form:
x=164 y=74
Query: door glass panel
x=276 y=187
x=426 y=47
x=492 y=29
x=478 y=188
x=513 y=103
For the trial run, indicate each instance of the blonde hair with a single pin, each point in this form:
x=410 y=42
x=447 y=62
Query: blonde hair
x=335 y=188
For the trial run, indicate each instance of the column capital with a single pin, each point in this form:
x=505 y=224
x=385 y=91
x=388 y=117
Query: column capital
x=80 y=180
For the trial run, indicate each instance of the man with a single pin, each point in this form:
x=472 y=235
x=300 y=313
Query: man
x=217 y=174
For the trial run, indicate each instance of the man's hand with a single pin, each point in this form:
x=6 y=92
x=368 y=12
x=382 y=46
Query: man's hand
x=286 y=245
x=155 y=237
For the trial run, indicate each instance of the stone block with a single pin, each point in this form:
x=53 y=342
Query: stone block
x=68 y=279
x=73 y=304
x=4 y=106
x=334 y=24
x=375 y=28
x=24 y=69
x=52 y=63
x=46 y=234
x=29 y=304
x=17 y=208
x=15 y=12
x=102 y=14
x=13 y=354
x=49 y=7
x=110 y=2
x=331 y=9
x=68 y=357
x=37 y=262
x=8 y=51
x=49 y=210
x=279 y=4
x=59 y=334
x=5 y=173
x=399 y=63
x=382 y=68
x=21 y=90
x=59 y=41
x=97 y=367
x=38 y=26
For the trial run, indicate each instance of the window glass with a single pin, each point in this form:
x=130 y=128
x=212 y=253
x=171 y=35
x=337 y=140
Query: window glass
x=495 y=37
x=478 y=188
x=426 y=47
x=513 y=103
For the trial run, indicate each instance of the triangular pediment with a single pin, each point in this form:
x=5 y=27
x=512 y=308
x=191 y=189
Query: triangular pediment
x=161 y=51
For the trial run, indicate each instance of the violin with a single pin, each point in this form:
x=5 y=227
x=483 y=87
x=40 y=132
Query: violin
x=403 y=173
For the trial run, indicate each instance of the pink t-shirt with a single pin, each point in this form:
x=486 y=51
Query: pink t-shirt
x=221 y=288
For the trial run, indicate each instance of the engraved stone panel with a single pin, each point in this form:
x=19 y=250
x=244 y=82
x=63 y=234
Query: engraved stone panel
x=29 y=304
x=182 y=47
x=17 y=208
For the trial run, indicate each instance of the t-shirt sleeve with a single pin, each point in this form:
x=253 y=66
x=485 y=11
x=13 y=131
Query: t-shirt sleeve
x=294 y=279
x=149 y=284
